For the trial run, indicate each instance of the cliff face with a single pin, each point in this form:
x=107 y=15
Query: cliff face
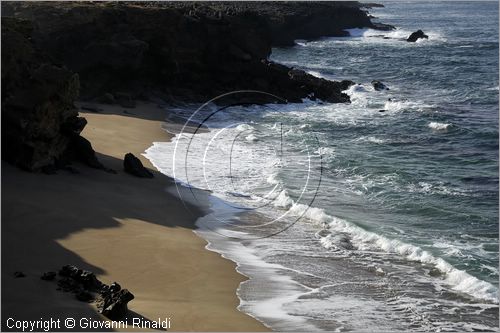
x=38 y=116
x=192 y=51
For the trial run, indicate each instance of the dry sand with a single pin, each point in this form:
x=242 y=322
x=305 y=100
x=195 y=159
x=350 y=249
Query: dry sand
x=125 y=229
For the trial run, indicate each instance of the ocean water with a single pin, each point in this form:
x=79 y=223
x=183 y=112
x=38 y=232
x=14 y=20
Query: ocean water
x=377 y=215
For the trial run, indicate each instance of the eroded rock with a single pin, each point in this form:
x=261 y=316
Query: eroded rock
x=133 y=165
x=416 y=36
x=39 y=120
x=111 y=300
x=379 y=86
x=113 y=304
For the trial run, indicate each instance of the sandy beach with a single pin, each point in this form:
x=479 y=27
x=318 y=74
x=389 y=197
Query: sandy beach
x=123 y=228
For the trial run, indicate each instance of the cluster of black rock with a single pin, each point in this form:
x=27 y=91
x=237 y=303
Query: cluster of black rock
x=111 y=300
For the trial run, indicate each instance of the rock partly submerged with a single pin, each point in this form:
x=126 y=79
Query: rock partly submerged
x=379 y=86
x=419 y=34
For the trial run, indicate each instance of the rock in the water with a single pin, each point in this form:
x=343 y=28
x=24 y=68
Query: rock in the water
x=379 y=85
x=346 y=84
x=48 y=276
x=114 y=304
x=134 y=166
x=416 y=35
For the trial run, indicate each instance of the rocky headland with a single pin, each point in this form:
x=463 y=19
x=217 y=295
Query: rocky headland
x=119 y=52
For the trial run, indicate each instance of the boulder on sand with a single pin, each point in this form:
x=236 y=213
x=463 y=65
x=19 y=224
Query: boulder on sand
x=417 y=35
x=133 y=165
x=113 y=304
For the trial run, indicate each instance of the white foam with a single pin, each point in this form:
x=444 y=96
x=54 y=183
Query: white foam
x=270 y=288
x=371 y=139
x=364 y=240
x=282 y=200
x=245 y=127
x=395 y=106
x=319 y=74
x=251 y=138
x=439 y=126
x=357 y=32
x=458 y=280
x=397 y=35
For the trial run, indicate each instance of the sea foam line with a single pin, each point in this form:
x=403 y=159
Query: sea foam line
x=458 y=280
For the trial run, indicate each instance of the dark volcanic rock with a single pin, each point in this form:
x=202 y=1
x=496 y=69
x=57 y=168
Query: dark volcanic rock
x=122 y=51
x=87 y=279
x=111 y=300
x=346 y=84
x=84 y=296
x=190 y=50
x=70 y=271
x=83 y=151
x=133 y=165
x=113 y=304
x=416 y=35
x=378 y=86
x=68 y=284
x=39 y=119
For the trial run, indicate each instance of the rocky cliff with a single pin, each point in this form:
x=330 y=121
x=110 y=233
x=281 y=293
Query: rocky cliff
x=190 y=50
x=38 y=115
x=184 y=50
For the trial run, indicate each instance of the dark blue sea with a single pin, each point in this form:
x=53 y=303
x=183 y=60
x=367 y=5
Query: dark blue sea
x=377 y=215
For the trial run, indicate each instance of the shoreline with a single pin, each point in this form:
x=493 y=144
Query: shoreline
x=133 y=232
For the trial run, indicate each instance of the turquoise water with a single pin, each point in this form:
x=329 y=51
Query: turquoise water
x=378 y=215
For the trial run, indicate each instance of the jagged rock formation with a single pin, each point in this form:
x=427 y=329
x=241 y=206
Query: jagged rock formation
x=133 y=166
x=416 y=36
x=38 y=116
x=116 y=52
x=193 y=51
x=111 y=300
